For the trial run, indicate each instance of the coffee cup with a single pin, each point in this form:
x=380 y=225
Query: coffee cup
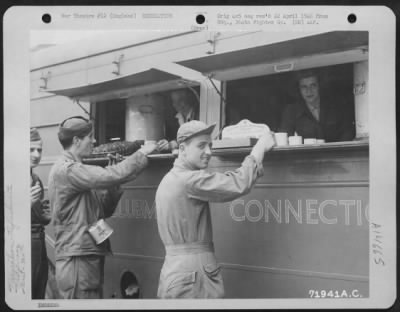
x=100 y=231
x=281 y=138
x=296 y=140
x=310 y=141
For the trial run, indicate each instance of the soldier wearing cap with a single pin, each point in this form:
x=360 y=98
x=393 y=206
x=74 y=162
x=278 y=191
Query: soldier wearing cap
x=40 y=216
x=190 y=269
x=80 y=195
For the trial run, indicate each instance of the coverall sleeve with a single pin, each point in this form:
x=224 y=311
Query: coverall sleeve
x=85 y=177
x=223 y=187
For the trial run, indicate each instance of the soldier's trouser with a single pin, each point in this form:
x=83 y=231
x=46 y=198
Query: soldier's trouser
x=80 y=277
x=190 y=271
x=39 y=266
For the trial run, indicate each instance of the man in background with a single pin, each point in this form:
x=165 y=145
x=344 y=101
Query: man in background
x=40 y=216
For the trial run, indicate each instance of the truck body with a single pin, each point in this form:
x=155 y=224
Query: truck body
x=303 y=227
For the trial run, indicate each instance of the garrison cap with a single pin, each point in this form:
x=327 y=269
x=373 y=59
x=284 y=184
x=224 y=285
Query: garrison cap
x=74 y=126
x=35 y=136
x=193 y=128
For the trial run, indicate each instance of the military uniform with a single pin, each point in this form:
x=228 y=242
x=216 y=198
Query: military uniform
x=40 y=216
x=190 y=269
x=79 y=196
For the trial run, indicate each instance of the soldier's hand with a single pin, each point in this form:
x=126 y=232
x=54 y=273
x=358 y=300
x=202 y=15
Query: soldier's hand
x=163 y=145
x=114 y=159
x=149 y=148
x=35 y=194
x=263 y=145
x=267 y=141
x=166 y=146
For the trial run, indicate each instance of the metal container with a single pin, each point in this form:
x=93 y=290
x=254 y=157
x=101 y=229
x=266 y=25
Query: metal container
x=144 y=118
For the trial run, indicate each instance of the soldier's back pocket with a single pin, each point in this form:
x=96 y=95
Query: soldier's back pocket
x=214 y=286
x=181 y=285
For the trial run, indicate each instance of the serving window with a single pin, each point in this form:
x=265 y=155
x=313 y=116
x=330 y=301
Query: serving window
x=110 y=121
x=269 y=100
x=145 y=117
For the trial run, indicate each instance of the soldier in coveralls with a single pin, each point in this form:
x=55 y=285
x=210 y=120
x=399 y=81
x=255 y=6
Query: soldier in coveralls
x=190 y=269
x=80 y=195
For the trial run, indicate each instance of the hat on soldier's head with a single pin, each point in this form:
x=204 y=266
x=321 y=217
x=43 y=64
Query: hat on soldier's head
x=191 y=129
x=74 y=126
x=35 y=136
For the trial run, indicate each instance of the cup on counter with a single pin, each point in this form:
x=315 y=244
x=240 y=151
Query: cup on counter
x=310 y=141
x=281 y=138
x=100 y=231
x=295 y=140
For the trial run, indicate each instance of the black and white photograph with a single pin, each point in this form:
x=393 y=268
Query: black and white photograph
x=236 y=153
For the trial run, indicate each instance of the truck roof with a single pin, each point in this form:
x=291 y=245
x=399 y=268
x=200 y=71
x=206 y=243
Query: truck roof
x=92 y=43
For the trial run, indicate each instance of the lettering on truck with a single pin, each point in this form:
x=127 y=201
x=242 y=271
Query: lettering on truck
x=135 y=208
x=302 y=211
x=307 y=211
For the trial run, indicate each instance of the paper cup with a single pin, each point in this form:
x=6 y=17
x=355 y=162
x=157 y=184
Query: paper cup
x=281 y=138
x=310 y=141
x=100 y=231
x=296 y=140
